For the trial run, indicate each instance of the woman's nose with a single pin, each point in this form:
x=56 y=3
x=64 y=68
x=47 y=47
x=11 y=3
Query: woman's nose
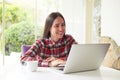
x=61 y=28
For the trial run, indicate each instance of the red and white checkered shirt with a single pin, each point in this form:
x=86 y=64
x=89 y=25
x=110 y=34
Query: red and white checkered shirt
x=44 y=48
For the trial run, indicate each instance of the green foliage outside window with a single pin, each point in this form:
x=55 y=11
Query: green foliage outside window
x=13 y=14
x=17 y=35
x=18 y=28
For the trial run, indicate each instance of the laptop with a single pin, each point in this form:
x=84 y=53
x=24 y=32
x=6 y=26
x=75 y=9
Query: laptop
x=84 y=57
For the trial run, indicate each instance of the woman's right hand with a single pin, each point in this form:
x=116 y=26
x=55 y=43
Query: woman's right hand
x=53 y=62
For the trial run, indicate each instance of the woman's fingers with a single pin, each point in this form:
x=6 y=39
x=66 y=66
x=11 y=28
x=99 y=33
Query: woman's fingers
x=50 y=59
x=57 y=62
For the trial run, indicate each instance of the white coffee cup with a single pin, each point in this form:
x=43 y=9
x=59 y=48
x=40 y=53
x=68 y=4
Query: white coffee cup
x=32 y=65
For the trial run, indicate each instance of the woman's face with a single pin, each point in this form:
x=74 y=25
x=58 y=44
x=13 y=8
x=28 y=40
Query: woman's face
x=58 y=29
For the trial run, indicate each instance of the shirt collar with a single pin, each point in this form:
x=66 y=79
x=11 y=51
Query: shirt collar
x=53 y=42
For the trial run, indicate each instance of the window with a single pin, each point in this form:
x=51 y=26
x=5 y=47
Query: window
x=23 y=23
x=96 y=26
x=32 y=15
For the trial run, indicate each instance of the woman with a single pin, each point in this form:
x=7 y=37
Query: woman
x=53 y=48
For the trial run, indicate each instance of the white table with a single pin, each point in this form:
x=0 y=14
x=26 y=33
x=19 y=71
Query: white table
x=18 y=72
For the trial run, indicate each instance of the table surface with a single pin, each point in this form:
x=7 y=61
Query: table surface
x=19 y=72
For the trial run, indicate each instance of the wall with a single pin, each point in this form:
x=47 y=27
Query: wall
x=110 y=20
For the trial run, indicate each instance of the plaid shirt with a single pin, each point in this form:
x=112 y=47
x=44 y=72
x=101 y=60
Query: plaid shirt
x=44 y=48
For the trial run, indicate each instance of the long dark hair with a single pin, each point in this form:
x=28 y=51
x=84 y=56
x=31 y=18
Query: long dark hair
x=49 y=21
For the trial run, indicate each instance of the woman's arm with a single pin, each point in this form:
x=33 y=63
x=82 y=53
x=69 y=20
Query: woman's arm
x=34 y=54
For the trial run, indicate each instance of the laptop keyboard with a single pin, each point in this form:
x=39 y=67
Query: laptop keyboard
x=60 y=68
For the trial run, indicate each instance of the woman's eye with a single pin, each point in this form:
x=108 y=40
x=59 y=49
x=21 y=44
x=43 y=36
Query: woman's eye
x=63 y=24
x=56 y=25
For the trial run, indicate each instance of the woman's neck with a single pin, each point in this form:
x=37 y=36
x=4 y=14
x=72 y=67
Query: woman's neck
x=54 y=39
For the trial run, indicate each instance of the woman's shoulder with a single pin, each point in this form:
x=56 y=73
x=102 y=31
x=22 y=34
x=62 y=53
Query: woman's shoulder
x=42 y=40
